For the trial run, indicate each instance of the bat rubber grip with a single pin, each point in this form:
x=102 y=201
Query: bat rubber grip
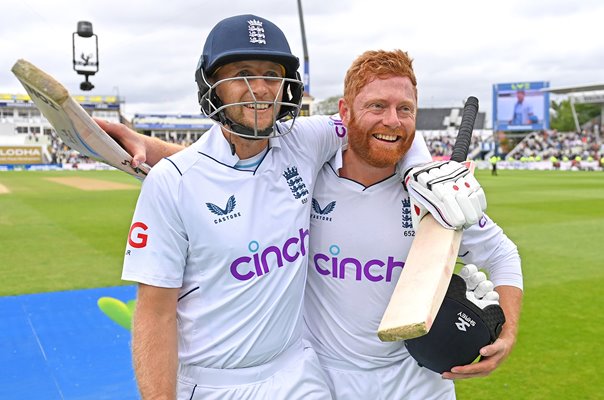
x=462 y=143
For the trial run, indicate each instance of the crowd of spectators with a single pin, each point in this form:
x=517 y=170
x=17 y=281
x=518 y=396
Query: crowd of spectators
x=544 y=145
x=554 y=145
x=60 y=153
x=441 y=143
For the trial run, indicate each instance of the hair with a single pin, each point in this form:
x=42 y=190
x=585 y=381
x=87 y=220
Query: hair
x=377 y=63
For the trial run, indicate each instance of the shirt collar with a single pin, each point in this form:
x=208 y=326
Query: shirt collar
x=218 y=146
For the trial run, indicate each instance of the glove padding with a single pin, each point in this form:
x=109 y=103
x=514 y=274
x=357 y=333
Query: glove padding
x=461 y=328
x=448 y=191
x=479 y=290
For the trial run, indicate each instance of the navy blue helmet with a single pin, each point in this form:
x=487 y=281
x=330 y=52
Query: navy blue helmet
x=247 y=37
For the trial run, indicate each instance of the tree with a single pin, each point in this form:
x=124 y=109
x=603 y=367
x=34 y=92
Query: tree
x=562 y=115
x=328 y=106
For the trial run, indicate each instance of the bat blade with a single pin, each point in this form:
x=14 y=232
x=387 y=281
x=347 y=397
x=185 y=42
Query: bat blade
x=423 y=283
x=71 y=122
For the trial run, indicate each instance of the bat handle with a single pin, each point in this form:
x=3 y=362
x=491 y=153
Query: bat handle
x=464 y=136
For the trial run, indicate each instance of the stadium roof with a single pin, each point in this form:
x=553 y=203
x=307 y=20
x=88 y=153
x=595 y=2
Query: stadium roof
x=434 y=119
x=579 y=94
x=575 y=89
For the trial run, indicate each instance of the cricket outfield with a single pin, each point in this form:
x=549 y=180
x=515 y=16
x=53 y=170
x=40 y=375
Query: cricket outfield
x=62 y=231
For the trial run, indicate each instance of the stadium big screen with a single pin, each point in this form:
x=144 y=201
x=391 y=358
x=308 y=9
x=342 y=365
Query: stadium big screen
x=520 y=106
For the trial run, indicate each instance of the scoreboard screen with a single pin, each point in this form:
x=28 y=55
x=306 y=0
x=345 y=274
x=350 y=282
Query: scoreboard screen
x=520 y=106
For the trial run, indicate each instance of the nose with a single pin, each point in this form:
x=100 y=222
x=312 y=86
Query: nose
x=259 y=86
x=390 y=118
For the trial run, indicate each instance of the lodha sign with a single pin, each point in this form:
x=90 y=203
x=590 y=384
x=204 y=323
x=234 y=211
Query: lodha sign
x=21 y=155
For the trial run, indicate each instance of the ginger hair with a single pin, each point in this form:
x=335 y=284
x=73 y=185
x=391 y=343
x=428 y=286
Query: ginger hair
x=374 y=64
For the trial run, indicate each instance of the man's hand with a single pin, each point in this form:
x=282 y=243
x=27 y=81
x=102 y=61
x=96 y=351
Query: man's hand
x=130 y=140
x=447 y=190
x=491 y=357
x=142 y=148
x=480 y=292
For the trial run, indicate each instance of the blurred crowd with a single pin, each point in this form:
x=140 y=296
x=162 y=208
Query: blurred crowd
x=536 y=146
x=554 y=145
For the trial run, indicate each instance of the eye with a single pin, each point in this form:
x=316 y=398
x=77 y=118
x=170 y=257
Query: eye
x=244 y=73
x=376 y=106
x=406 y=110
x=272 y=74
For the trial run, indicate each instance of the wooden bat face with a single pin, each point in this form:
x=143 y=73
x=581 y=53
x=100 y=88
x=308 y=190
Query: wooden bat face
x=423 y=282
x=71 y=122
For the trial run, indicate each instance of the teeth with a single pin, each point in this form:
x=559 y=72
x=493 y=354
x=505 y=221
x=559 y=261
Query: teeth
x=387 y=138
x=258 y=106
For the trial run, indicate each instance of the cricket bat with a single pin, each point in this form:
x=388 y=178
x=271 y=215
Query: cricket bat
x=424 y=280
x=71 y=122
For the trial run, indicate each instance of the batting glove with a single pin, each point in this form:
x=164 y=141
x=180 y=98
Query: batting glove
x=448 y=191
x=479 y=290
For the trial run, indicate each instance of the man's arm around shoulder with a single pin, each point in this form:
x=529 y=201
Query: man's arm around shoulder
x=142 y=148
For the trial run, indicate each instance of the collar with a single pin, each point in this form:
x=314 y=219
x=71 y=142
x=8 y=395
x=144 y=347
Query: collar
x=218 y=147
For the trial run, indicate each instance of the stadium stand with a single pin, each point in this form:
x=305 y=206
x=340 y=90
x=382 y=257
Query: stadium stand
x=547 y=144
x=23 y=127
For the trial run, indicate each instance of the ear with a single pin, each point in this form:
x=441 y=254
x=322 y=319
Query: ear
x=344 y=111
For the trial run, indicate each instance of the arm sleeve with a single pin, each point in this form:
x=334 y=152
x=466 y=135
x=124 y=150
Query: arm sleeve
x=157 y=243
x=486 y=245
x=320 y=136
x=330 y=134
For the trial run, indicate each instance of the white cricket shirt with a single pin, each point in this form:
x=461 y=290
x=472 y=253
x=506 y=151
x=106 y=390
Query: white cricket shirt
x=235 y=242
x=360 y=238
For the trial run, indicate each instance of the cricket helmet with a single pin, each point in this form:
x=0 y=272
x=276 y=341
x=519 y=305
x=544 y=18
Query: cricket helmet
x=248 y=37
x=460 y=330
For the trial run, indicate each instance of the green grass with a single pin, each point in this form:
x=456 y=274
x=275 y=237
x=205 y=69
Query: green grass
x=53 y=237
x=557 y=221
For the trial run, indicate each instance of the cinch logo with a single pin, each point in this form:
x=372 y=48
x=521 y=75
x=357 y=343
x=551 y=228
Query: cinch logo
x=464 y=322
x=334 y=267
x=483 y=221
x=339 y=127
x=320 y=213
x=140 y=240
x=226 y=213
x=295 y=182
x=245 y=268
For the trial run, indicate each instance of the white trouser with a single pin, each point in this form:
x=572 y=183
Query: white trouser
x=295 y=374
x=403 y=380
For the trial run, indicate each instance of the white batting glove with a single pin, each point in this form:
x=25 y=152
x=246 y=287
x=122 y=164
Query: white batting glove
x=448 y=191
x=479 y=288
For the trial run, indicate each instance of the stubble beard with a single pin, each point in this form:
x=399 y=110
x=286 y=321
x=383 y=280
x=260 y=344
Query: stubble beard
x=238 y=115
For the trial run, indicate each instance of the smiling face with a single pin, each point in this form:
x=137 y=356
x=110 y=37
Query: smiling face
x=258 y=85
x=381 y=120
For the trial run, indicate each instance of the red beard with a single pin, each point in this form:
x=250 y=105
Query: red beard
x=374 y=152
